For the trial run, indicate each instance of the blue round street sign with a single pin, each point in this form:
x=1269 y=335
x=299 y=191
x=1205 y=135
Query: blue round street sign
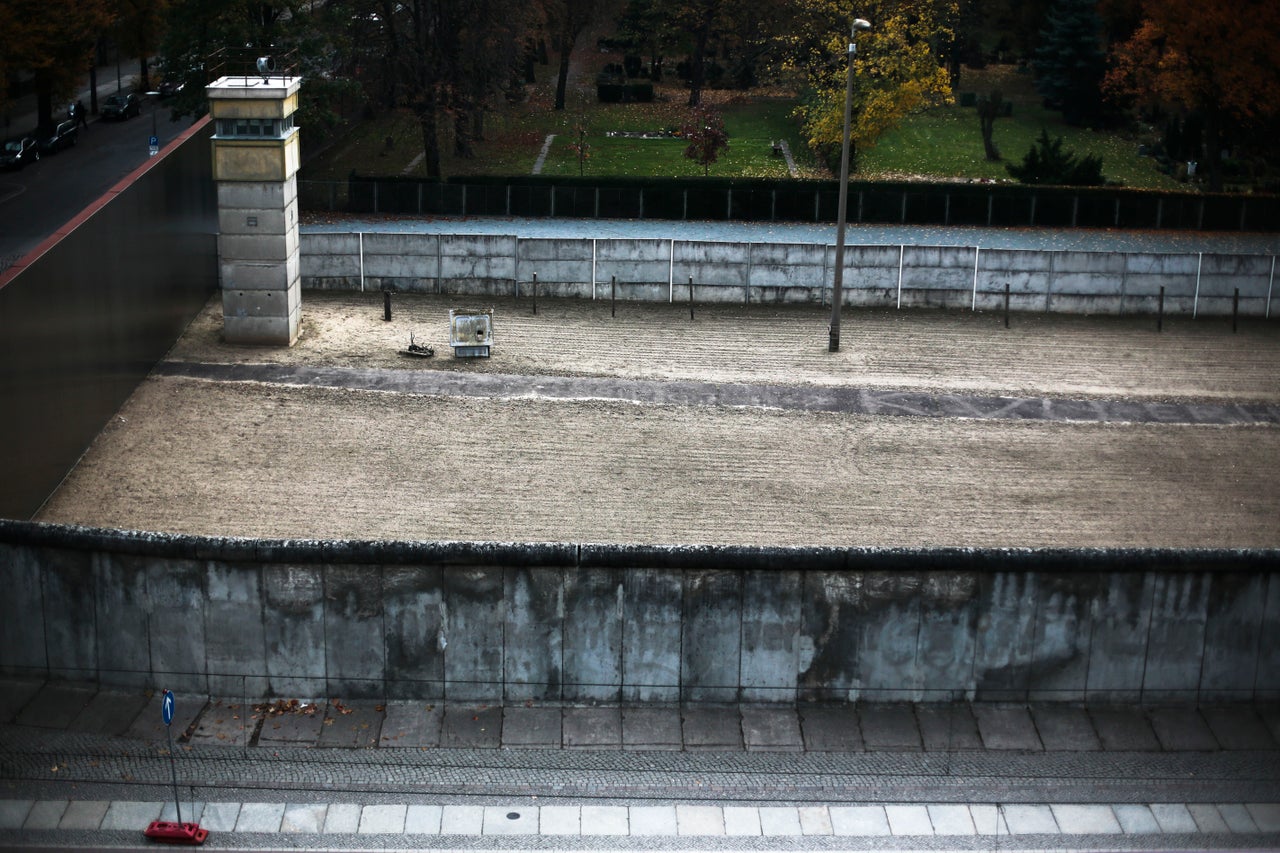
x=166 y=707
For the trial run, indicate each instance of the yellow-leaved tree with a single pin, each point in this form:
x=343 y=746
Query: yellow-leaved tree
x=900 y=65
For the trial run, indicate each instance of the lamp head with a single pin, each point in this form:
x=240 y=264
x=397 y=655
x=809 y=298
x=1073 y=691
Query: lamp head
x=265 y=66
x=861 y=24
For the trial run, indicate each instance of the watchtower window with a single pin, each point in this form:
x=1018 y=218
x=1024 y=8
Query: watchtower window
x=255 y=128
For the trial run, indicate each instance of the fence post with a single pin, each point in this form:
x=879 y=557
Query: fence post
x=535 y=293
x=386 y=305
x=1235 y=310
x=1195 y=305
x=1160 y=311
x=974 y=306
x=1006 y=304
x=671 y=273
x=690 y=297
x=1270 y=282
x=613 y=296
x=902 y=251
x=360 y=237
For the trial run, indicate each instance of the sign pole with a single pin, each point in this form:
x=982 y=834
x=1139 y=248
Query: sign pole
x=166 y=707
x=163 y=830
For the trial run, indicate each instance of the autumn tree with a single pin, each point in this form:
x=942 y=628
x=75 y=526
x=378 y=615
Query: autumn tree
x=138 y=30
x=899 y=66
x=706 y=136
x=53 y=39
x=1070 y=62
x=1213 y=60
x=566 y=20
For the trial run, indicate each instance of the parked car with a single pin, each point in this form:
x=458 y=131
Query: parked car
x=63 y=136
x=170 y=87
x=18 y=152
x=121 y=107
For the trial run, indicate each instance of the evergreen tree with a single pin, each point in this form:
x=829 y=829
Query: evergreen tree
x=1070 y=63
x=1048 y=163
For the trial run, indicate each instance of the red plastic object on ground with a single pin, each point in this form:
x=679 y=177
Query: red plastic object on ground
x=169 y=832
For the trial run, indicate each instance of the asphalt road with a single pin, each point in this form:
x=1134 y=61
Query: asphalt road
x=37 y=200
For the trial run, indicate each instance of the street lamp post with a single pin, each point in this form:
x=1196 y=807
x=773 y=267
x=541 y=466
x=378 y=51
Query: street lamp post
x=837 y=284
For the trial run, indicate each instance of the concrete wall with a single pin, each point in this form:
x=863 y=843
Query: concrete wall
x=579 y=623
x=909 y=276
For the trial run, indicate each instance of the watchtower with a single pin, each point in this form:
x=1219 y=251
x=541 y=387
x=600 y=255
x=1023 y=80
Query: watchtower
x=255 y=165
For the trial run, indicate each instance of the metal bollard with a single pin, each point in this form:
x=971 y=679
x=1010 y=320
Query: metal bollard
x=535 y=293
x=386 y=305
x=1160 y=312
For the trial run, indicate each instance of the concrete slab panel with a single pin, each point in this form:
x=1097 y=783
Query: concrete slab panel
x=56 y=705
x=651 y=728
x=949 y=727
x=909 y=820
x=294 y=728
x=505 y=820
x=890 y=626
x=1030 y=820
x=130 y=815
x=353 y=723
x=770 y=631
x=604 y=820
x=473 y=660
x=1007 y=727
x=1238 y=727
x=830 y=628
x=592 y=728
x=1237 y=817
x=293 y=627
x=859 y=821
x=560 y=820
x=593 y=649
x=1182 y=729
x=1233 y=636
x=1174 y=817
x=149 y=724
x=22 y=613
x=423 y=819
x=951 y=820
x=122 y=620
x=1207 y=818
x=342 y=818
x=1269 y=653
x=15 y=693
x=1266 y=816
x=653 y=821
x=741 y=821
x=815 y=820
x=413 y=613
x=1136 y=819
x=234 y=638
x=355 y=656
x=766 y=729
x=1086 y=819
x=412 y=724
x=989 y=820
x=1060 y=641
x=110 y=712
x=831 y=728
x=651 y=659
x=889 y=727
x=1121 y=618
x=533 y=660
x=947 y=642
x=711 y=640
x=1006 y=635
x=1064 y=728
x=260 y=817
x=69 y=591
x=531 y=727
x=471 y=727
x=13 y=813
x=84 y=814
x=304 y=818
x=780 y=821
x=1124 y=729
x=382 y=819
x=1175 y=649
x=224 y=722
x=220 y=817
x=700 y=820
x=711 y=727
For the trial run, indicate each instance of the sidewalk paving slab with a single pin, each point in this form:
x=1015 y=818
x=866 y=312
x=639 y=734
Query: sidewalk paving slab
x=654 y=820
x=15 y=696
x=889 y=726
x=353 y=724
x=909 y=819
x=382 y=819
x=1007 y=727
x=342 y=818
x=1237 y=817
x=780 y=821
x=1266 y=816
x=651 y=728
x=187 y=708
x=699 y=820
x=134 y=814
x=593 y=728
x=422 y=819
x=223 y=722
x=948 y=727
x=1085 y=819
x=56 y=704
x=859 y=820
x=742 y=821
x=989 y=820
x=192 y=812
x=1174 y=817
x=45 y=814
x=563 y=820
x=1207 y=817
x=471 y=727
x=1064 y=728
x=1124 y=729
x=260 y=817
x=505 y=820
x=1136 y=819
x=815 y=820
x=110 y=712
x=771 y=729
x=412 y=723
x=292 y=729
x=1029 y=820
x=304 y=818
x=832 y=728
x=1182 y=729
x=604 y=820
x=711 y=727
x=537 y=727
x=461 y=820
x=1238 y=727
x=951 y=820
x=13 y=813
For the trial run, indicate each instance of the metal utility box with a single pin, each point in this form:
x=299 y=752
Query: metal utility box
x=470 y=332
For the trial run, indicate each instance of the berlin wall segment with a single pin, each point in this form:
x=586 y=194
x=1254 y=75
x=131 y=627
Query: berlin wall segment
x=494 y=622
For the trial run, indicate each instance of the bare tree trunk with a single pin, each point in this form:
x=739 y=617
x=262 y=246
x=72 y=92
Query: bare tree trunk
x=430 y=137
x=988 y=111
x=562 y=79
x=698 y=63
x=146 y=75
x=462 y=133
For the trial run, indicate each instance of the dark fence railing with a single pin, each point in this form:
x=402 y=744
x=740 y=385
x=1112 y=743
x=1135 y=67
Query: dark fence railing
x=754 y=200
